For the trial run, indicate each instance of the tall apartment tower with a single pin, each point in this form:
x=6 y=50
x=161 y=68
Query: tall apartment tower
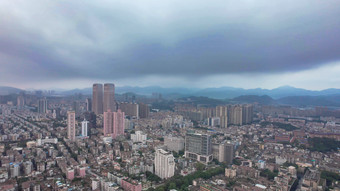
x=226 y=153
x=71 y=125
x=88 y=104
x=130 y=109
x=97 y=99
x=20 y=102
x=198 y=147
x=143 y=110
x=114 y=123
x=109 y=97
x=84 y=128
x=222 y=113
x=235 y=115
x=164 y=164
x=42 y=106
x=247 y=113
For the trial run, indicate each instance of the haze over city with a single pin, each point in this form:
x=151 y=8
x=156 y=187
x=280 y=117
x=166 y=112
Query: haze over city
x=169 y=95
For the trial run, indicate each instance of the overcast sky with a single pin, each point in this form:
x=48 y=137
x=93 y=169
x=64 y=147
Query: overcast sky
x=175 y=43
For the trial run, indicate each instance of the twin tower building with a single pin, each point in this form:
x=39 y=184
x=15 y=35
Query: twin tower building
x=103 y=102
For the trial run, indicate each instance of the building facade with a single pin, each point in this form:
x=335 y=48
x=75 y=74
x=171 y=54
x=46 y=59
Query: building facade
x=164 y=164
x=198 y=147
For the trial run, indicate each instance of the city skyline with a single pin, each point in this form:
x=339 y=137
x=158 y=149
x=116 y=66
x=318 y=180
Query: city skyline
x=241 y=44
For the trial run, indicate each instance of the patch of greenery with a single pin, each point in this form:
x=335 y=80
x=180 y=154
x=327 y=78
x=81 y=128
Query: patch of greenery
x=183 y=182
x=330 y=177
x=269 y=174
x=323 y=144
x=287 y=127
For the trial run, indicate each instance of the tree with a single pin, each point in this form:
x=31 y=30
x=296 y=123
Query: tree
x=172 y=186
x=199 y=166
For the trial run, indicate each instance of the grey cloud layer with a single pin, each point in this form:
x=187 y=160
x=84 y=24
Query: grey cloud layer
x=42 y=40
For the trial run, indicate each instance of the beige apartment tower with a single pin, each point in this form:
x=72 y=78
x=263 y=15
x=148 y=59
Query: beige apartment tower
x=71 y=125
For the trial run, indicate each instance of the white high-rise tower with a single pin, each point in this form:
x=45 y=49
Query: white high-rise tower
x=84 y=128
x=164 y=164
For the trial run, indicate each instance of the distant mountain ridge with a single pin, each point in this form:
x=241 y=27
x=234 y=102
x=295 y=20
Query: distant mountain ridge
x=5 y=90
x=217 y=93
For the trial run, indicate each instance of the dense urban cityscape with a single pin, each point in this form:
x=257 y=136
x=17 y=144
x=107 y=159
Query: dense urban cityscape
x=169 y=95
x=130 y=142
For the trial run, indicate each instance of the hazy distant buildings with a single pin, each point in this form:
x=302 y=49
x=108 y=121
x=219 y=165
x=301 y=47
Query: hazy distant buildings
x=222 y=113
x=109 y=97
x=236 y=114
x=42 y=105
x=71 y=125
x=88 y=104
x=84 y=128
x=97 y=99
x=143 y=110
x=130 y=109
x=20 y=102
x=114 y=123
x=198 y=147
x=214 y=121
x=174 y=143
x=164 y=164
x=233 y=114
x=247 y=113
x=76 y=108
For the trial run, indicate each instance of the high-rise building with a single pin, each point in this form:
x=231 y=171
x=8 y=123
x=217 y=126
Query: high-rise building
x=164 y=164
x=130 y=109
x=174 y=143
x=114 y=123
x=20 y=102
x=226 y=153
x=214 y=121
x=97 y=99
x=76 y=108
x=15 y=170
x=71 y=125
x=247 y=113
x=109 y=97
x=143 y=110
x=235 y=114
x=84 y=128
x=198 y=147
x=88 y=104
x=222 y=113
x=42 y=106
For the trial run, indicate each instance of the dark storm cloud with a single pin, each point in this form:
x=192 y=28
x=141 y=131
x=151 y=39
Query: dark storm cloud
x=118 y=39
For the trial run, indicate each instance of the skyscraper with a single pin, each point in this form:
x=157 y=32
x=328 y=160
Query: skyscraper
x=143 y=110
x=42 y=106
x=198 y=147
x=114 y=123
x=84 y=128
x=226 y=153
x=109 y=97
x=164 y=164
x=97 y=99
x=20 y=102
x=130 y=109
x=71 y=125
x=88 y=104
x=247 y=113
x=222 y=113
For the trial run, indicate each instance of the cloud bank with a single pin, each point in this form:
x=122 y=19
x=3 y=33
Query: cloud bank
x=112 y=40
